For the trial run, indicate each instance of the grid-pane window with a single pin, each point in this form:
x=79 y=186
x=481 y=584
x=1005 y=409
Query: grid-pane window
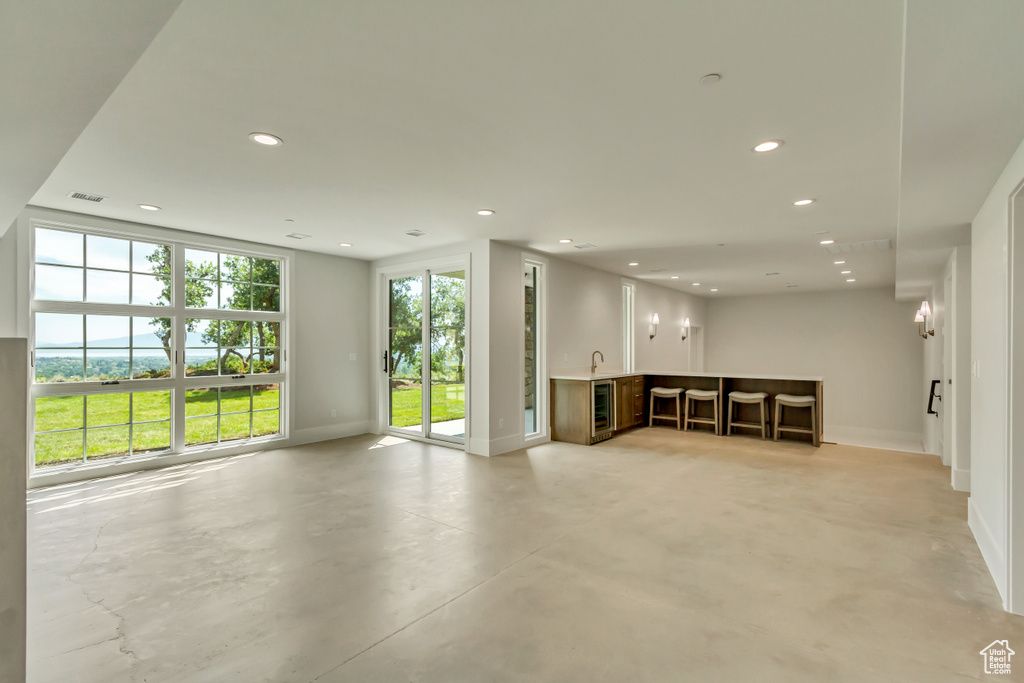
x=120 y=370
x=218 y=415
x=232 y=281
x=74 y=429
x=71 y=266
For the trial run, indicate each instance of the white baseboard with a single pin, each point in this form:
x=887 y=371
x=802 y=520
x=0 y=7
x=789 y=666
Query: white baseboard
x=497 y=446
x=990 y=549
x=962 y=480
x=328 y=432
x=886 y=439
x=505 y=444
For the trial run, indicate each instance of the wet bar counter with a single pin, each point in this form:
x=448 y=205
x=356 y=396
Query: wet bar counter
x=571 y=396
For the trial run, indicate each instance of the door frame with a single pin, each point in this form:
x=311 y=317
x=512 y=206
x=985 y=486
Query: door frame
x=382 y=315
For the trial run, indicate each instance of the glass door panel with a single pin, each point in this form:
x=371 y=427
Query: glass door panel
x=530 y=351
x=405 y=353
x=447 y=408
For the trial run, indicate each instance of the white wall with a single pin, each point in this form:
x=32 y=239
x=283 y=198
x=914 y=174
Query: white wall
x=862 y=342
x=585 y=315
x=989 y=505
x=330 y=319
x=506 y=330
x=13 y=463
x=667 y=351
x=9 y=284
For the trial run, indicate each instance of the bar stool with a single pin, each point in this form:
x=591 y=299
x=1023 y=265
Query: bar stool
x=759 y=397
x=796 y=402
x=664 y=392
x=701 y=395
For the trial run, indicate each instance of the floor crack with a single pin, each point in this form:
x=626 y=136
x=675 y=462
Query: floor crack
x=120 y=630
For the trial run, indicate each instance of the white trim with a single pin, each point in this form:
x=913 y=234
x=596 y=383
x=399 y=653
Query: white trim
x=178 y=383
x=421 y=268
x=628 y=325
x=961 y=480
x=986 y=540
x=330 y=432
x=541 y=412
x=504 y=444
x=1014 y=595
x=138 y=463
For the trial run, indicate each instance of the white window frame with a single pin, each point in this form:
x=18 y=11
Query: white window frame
x=178 y=383
x=541 y=390
x=419 y=268
x=628 y=325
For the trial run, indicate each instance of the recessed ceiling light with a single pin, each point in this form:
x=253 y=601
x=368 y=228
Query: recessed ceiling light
x=634 y=263
x=845 y=272
x=851 y=280
x=485 y=212
x=803 y=202
x=266 y=139
x=839 y=263
x=714 y=290
x=675 y=277
x=564 y=241
x=768 y=146
x=696 y=284
x=828 y=241
x=344 y=244
x=149 y=207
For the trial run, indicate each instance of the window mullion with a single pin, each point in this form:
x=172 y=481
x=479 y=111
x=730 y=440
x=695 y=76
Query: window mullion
x=179 y=331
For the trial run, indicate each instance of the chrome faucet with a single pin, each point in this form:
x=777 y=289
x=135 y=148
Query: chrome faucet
x=593 y=361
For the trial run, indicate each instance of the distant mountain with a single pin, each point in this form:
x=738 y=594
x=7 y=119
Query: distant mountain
x=151 y=341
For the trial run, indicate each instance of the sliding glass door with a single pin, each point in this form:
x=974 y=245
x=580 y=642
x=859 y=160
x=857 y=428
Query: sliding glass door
x=426 y=354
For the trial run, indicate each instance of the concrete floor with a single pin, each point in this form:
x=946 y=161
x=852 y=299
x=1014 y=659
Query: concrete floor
x=657 y=556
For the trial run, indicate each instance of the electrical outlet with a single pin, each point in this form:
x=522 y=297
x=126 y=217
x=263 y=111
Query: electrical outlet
x=351 y=356
x=501 y=423
x=334 y=413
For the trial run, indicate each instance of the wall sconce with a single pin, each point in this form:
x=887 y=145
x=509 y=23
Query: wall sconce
x=654 y=325
x=921 y=318
x=686 y=329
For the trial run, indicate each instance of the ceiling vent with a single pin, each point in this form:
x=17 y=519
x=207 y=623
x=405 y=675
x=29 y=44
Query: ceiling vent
x=860 y=247
x=588 y=245
x=415 y=233
x=656 y=270
x=298 y=236
x=87 y=197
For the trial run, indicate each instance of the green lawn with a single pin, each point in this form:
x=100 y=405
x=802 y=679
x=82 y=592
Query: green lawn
x=447 y=402
x=107 y=416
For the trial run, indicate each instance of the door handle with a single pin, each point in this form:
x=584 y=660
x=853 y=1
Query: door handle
x=385 y=362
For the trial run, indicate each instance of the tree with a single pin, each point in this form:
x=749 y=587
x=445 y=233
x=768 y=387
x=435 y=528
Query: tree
x=197 y=290
x=406 y=312
x=254 y=285
x=448 y=324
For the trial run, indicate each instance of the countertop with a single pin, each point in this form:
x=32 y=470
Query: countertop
x=613 y=375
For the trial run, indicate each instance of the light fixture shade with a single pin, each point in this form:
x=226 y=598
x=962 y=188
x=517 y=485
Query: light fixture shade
x=654 y=320
x=926 y=310
x=686 y=324
x=919 y=317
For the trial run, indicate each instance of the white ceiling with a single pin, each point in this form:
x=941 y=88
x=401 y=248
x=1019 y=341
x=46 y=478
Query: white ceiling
x=571 y=119
x=59 y=62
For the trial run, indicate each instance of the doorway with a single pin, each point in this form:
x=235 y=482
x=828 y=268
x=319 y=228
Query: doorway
x=426 y=355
